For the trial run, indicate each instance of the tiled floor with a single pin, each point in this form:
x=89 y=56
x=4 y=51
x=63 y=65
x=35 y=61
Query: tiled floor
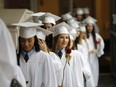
x=107 y=80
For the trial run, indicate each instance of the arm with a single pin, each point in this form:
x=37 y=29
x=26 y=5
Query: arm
x=101 y=45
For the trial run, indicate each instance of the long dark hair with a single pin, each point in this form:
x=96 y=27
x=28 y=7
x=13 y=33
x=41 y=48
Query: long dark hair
x=93 y=34
x=77 y=41
x=36 y=45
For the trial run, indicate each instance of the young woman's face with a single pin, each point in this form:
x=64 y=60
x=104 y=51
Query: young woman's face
x=89 y=27
x=47 y=25
x=27 y=44
x=79 y=17
x=63 y=40
x=78 y=33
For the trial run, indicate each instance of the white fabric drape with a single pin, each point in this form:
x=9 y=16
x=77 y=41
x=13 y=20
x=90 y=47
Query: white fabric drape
x=8 y=65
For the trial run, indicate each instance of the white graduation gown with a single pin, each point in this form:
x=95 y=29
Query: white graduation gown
x=20 y=77
x=39 y=70
x=93 y=58
x=58 y=67
x=96 y=28
x=72 y=73
x=89 y=81
x=85 y=64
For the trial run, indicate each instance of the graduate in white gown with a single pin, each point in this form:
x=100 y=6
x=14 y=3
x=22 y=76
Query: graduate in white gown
x=86 y=12
x=66 y=17
x=95 y=24
x=49 y=20
x=79 y=15
x=35 y=64
x=8 y=64
x=83 y=51
x=72 y=68
x=41 y=35
x=96 y=45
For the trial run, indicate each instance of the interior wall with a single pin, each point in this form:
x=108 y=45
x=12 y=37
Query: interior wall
x=85 y=3
x=64 y=6
x=103 y=17
x=49 y=6
x=106 y=17
x=1 y=4
x=17 y=4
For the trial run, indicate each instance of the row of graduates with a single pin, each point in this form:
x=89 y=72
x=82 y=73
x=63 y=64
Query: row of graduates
x=58 y=55
x=93 y=43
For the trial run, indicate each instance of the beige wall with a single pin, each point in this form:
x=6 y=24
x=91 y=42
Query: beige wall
x=102 y=15
x=1 y=4
x=49 y=6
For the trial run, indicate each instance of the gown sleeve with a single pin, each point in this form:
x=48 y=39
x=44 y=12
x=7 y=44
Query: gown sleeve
x=100 y=46
x=58 y=68
x=49 y=73
x=85 y=66
x=20 y=77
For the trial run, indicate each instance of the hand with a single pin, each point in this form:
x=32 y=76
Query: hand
x=98 y=41
x=15 y=83
x=93 y=51
x=59 y=86
x=43 y=45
